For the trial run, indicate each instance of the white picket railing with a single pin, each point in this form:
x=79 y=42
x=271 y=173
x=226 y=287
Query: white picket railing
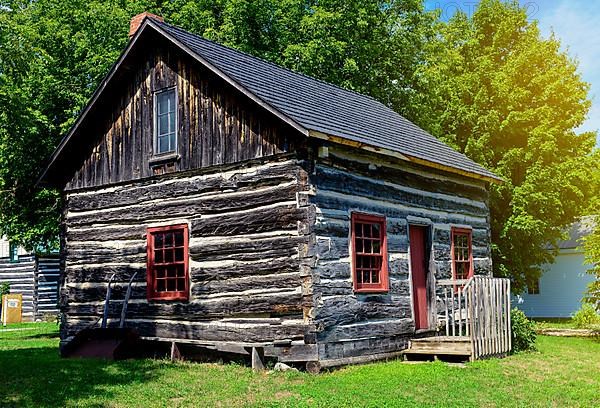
x=478 y=308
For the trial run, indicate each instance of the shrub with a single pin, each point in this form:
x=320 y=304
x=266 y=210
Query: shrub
x=586 y=317
x=523 y=332
x=4 y=288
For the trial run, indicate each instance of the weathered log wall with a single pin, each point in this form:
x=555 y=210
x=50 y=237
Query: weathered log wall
x=36 y=279
x=216 y=125
x=352 y=324
x=46 y=286
x=248 y=243
x=21 y=277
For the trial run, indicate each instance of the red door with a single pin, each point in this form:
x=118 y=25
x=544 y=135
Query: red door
x=418 y=259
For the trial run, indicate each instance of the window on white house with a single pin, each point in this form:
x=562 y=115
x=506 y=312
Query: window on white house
x=13 y=252
x=165 y=122
x=533 y=288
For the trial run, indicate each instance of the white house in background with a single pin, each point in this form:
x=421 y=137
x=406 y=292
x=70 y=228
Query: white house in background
x=34 y=276
x=562 y=285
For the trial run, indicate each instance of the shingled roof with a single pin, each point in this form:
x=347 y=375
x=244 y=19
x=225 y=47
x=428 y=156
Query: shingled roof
x=317 y=108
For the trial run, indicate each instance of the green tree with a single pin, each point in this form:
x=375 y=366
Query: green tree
x=512 y=101
x=53 y=53
x=591 y=243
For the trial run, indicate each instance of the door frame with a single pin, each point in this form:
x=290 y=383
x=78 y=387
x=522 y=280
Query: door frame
x=428 y=226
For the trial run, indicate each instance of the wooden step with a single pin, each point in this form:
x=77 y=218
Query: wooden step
x=440 y=345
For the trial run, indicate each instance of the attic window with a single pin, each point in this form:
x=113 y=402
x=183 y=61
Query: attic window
x=165 y=121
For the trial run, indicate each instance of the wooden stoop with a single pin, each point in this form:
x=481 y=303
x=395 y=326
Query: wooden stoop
x=449 y=347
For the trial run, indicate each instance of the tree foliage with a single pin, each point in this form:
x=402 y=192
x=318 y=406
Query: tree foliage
x=53 y=53
x=591 y=243
x=512 y=101
x=488 y=85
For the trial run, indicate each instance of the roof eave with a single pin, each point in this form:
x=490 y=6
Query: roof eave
x=412 y=159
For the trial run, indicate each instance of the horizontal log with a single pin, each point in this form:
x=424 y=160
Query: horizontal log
x=350 y=309
x=350 y=161
x=331 y=200
x=361 y=347
x=254 y=221
x=378 y=328
x=245 y=269
x=247 y=249
x=123 y=273
x=294 y=353
x=95 y=293
x=109 y=255
x=114 y=233
x=183 y=184
x=273 y=303
x=204 y=331
x=184 y=206
x=282 y=281
x=337 y=180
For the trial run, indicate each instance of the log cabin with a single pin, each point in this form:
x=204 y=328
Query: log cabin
x=268 y=212
x=33 y=275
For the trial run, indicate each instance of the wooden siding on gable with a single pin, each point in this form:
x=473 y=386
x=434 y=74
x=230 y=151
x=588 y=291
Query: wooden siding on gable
x=216 y=124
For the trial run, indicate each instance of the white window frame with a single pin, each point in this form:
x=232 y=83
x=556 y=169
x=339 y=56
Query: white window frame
x=155 y=122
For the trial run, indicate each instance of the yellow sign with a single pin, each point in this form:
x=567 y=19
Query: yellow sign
x=12 y=308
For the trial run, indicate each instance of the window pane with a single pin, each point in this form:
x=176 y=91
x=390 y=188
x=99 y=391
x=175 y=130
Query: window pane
x=158 y=256
x=163 y=144
x=158 y=240
x=169 y=255
x=366 y=277
x=172 y=142
x=359 y=245
x=162 y=100
x=180 y=270
x=160 y=285
x=375 y=276
x=377 y=230
x=368 y=249
x=376 y=247
x=171 y=285
x=179 y=238
x=172 y=122
x=163 y=125
x=179 y=255
x=168 y=240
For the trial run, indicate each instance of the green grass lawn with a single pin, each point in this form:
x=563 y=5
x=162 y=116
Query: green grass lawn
x=565 y=372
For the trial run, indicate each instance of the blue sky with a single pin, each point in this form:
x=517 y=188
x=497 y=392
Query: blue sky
x=575 y=22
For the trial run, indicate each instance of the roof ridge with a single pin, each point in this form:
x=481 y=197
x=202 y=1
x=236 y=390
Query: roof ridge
x=270 y=62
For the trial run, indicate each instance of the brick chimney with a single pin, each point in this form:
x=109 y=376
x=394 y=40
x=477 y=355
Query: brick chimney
x=136 y=21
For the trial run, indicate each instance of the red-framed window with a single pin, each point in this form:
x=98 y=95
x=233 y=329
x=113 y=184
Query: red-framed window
x=462 y=253
x=168 y=276
x=369 y=253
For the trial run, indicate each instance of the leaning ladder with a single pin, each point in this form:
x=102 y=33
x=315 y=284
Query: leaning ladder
x=125 y=302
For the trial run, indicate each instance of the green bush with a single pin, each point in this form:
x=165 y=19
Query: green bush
x=4 y=288
x=523 y=332
x=586 y=317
